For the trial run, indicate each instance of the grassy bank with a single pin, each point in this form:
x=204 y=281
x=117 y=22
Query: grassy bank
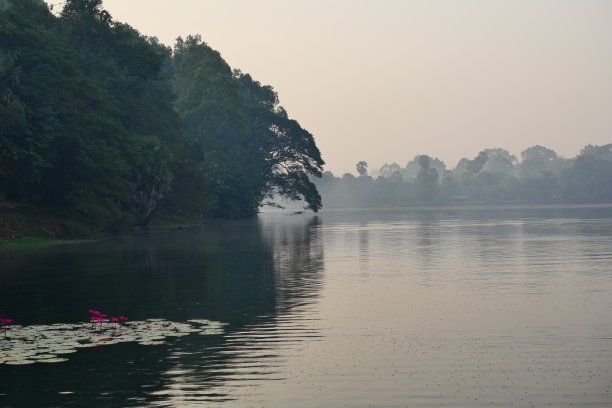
x=35 y=243
x=27 y=226
x=33 y=226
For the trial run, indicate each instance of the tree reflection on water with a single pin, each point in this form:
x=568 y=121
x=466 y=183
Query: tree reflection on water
x=253 y=275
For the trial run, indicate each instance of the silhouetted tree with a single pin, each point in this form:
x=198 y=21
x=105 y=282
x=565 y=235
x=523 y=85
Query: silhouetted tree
x=387 y=170
x=427 y=179
x=362 y=168
x=590 y=177
x=538 y=159
x=413 y=167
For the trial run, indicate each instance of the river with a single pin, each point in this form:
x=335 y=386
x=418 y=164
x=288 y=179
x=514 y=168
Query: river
x=455 y=307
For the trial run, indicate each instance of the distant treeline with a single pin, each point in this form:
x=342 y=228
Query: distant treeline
x=493 y=176
x=101 y=122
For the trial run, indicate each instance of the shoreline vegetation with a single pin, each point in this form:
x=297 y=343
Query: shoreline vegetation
x=25 y=226
x=42 y=237
x=105 y=130
x=494 y=176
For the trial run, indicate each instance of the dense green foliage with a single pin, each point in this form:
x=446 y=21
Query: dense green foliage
x=493 y=176
x=242 y=143
x=102 y=122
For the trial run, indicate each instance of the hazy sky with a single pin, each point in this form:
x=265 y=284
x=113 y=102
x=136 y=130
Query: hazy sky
x=383 y=81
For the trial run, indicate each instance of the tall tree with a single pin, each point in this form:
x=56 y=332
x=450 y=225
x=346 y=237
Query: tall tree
x=427 y=178
x=362 y=168
x=536 y=160
x=413 y=167
x=590 y=177
x=209 y=179
x=500 y=161
x=476 y=165
x=282 y=153
x=387 y=170
x=242 y=143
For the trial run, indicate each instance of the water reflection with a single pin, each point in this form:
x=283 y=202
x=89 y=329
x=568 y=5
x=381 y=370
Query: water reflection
x=427 y=241
x=253 y=352
x=364 y=249
x=257 y=277
x=410 y=307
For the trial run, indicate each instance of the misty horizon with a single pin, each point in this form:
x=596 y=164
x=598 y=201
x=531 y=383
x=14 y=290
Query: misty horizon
x=384 y=82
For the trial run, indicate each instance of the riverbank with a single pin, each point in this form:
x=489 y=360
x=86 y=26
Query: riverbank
x=18 y=221
x=35 y=243
x=27 y=226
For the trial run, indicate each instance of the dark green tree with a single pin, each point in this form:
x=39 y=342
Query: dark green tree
x=68 y=142
x=209 y=181
x=499 y=161
x=242 y=146
x=362 y=168
x=537 y=160
x=413 y=167
x=128 y=67
x=427 y=179
x=476 y=165
x=386 y=170
x=282 y=153
x=590 y=177
x=90 y=122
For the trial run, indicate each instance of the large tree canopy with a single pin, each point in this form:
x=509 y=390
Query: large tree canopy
x=284 y=154
x=101 y=121
x=240 y=139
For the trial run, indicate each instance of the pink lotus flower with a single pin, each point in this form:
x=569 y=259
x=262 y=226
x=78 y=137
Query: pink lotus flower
x=98 y=317
x=6 y=323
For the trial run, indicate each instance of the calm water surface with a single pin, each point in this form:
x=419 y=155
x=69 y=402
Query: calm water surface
x=464 y=307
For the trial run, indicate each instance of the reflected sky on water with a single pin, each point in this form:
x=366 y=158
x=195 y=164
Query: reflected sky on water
x=459 y=307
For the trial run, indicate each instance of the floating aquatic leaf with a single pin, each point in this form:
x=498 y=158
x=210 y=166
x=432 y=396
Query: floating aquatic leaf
x=150 y=343
x=65 y=351
x=86 y=345
x=20 y=362
x=63 y=326
x=45 y=356
x=52 y=360
x=211 y=332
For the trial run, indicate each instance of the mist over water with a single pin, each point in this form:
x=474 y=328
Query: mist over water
x=463 y=307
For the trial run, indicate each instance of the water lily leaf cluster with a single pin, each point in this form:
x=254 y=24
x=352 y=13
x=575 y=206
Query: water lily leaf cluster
x=55 y=342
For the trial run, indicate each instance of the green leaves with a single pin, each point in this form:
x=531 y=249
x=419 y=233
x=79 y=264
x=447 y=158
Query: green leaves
x=283 y=153
x=100 y=121
x=241 y=140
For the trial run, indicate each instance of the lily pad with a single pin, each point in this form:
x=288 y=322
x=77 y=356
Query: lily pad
x=151 y=343
x=20 y=362
x=52 y=360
